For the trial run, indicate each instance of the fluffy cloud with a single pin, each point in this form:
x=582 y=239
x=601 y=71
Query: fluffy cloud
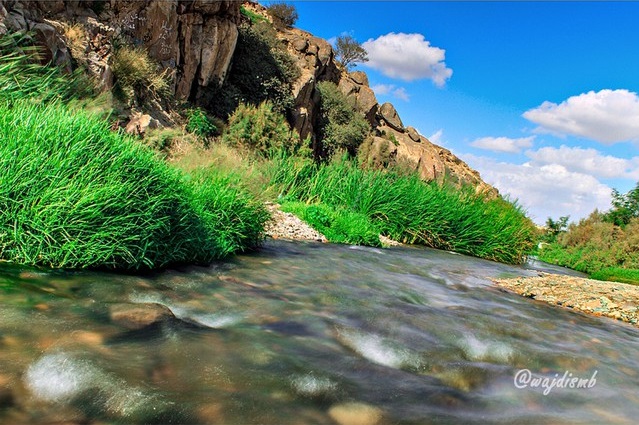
x=607 y=116
x=391 y=89
x=408 y=57
x=588 y=161
x=549 y=190
x=503 y=144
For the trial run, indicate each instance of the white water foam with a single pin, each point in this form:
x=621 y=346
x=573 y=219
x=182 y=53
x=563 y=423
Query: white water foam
x=209 y=320
x=478 y=350
x=60 y=377
x=310 y=385
x=378 y=350
x=56 y=377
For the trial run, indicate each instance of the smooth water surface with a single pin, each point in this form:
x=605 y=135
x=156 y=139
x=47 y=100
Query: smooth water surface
x=306 y=333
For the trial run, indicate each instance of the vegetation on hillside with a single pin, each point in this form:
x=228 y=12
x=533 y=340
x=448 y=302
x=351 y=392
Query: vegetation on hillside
x=604 y=245
x=349 y=52
x=404 y=208
x=262 y=70
x=74 y=194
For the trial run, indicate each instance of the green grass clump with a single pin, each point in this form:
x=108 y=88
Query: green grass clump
x=22 y=76
x=338 y=225
x=617 y=274
x=406 y=209
x=73 y=194
x=253 y=17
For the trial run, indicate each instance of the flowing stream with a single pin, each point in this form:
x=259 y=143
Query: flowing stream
x=306 y=333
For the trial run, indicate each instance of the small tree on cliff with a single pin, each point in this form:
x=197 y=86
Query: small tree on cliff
x=283 y=14
x=349 y=52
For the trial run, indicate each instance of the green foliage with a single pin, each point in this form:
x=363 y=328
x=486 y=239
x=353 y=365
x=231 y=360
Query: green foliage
x=349 y=52
x=73 y=194
x=624 y=207
x=23 y=76
x=594 y=244
x=338 y=225
x=253 y=17
x=555 y=228
x=200 y=124
x=262 y=70
x=261 y=129
x=617 y=274
x=406 y=209
x=283 y=14
x=340 y=126
x=135 y=72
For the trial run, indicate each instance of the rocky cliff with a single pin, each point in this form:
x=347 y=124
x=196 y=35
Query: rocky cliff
x=195 y=41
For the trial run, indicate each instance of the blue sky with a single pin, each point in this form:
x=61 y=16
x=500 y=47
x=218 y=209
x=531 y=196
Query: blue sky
x=539 y=97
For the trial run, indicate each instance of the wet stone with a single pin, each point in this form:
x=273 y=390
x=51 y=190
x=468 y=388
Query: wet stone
x=355 y=414
x=139 y=316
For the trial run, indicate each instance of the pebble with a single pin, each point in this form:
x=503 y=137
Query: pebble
x=355 y=413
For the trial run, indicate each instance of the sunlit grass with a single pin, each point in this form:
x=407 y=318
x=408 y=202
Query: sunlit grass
x=406 y=209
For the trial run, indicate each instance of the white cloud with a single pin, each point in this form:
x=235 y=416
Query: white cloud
x=391 y=89
x=408 y=57
x=549 y=190
x=437 y=137
x=588 y=161
x=503 y=144
x=607 y=116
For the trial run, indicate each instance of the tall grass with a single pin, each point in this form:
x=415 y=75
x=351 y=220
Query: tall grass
x=23 y=76
x=73 y=194
x=405 y=208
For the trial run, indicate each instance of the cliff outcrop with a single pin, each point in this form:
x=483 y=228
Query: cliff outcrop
x=195 y=42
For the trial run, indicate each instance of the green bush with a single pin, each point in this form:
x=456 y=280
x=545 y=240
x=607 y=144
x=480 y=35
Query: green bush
x=283 y=14
x=338 y=225
x=135 y=72
x=253 y=17
x=261 y=129
x=73 y=194
x=594 y=244
x=262 y=70
x=200 y=124
x=406 y=209
x=340 y=127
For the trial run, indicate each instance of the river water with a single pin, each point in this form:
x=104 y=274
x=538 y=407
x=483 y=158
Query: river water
x=308 y=333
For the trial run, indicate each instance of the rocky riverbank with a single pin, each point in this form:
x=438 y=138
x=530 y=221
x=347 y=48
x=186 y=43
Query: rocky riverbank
x=287 y=226
x=618 y=301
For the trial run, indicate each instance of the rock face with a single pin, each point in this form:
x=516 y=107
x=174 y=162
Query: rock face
x=194 y=40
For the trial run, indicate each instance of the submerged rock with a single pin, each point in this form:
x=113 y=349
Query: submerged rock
x=353 y=413
x=138 y=316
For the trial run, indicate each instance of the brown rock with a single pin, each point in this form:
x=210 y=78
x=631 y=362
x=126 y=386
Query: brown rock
x=353 y=413
x=220 y=38
x=300 y=44
x=367 y=104
x=139 y=123
x=138 y=316
x=391 y=117
x=360 y=78
x=413 y=134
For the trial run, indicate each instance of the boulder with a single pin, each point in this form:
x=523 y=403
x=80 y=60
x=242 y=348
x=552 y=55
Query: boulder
x=355 y=413
x=389 y=114
x=139 y=316
x=359 y=77
x=139 y=123
x=367 y=104
x=299 y=44
x=413 y=134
